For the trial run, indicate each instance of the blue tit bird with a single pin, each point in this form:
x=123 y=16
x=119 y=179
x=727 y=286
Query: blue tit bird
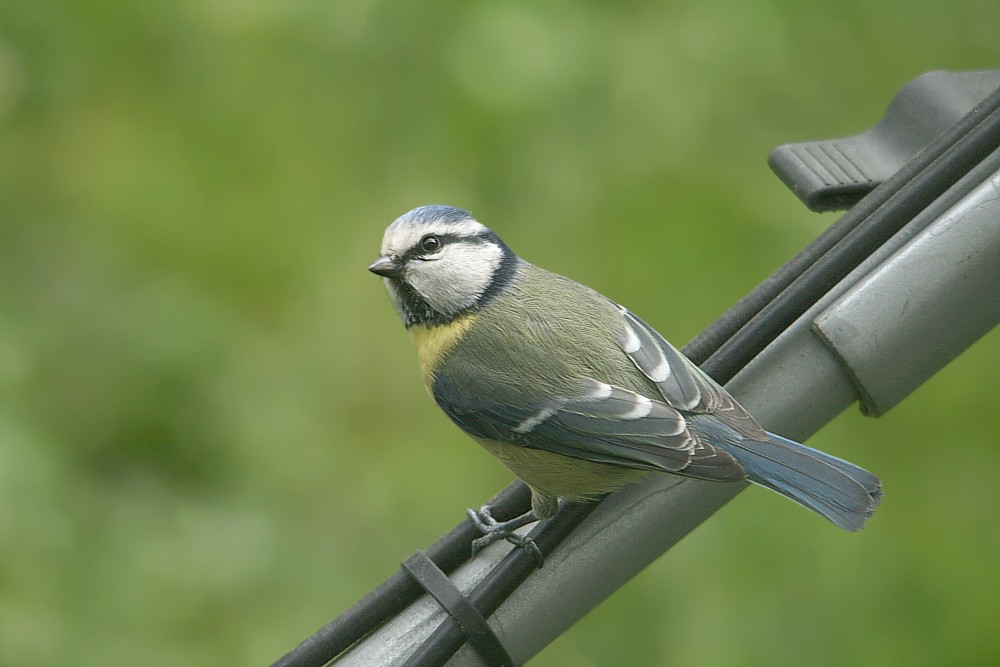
x=571 y=391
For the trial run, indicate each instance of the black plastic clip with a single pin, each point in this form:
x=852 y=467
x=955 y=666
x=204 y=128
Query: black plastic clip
x=480 y=634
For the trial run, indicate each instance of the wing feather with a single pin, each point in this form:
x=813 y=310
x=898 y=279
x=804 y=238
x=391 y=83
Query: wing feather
x=681 y=383
x=602 y=423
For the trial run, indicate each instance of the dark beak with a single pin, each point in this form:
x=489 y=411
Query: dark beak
x=387 y=267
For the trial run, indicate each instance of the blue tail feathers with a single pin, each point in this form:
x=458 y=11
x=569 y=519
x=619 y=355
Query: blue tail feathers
x=833 y=488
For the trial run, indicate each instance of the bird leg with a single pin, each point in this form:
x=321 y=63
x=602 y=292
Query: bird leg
x=494 y=530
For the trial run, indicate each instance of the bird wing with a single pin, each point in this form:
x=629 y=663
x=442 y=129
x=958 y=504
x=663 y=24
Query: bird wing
x=599 y=422
x=681 y=383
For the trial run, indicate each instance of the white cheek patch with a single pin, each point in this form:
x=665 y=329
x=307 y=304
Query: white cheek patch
x=455 y=279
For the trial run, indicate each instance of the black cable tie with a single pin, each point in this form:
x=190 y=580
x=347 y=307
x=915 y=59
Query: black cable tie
x=480 y=634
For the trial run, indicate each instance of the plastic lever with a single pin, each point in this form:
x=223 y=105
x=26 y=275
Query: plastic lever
x=835 y=174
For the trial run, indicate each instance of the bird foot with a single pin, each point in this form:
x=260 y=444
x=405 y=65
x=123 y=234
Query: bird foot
x=494 y=531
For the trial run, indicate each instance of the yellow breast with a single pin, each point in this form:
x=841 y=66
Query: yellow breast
x=434 y=343
x=561 y=476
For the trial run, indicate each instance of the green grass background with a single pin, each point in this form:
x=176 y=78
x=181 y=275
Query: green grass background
x=213 y=437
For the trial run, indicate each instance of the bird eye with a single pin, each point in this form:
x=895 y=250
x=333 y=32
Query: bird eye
x=430 y=244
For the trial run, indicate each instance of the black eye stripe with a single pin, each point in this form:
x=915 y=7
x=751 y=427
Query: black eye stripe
x=418 y=252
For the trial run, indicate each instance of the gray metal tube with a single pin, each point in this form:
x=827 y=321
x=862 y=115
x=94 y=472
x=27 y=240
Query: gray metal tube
x=923 y=306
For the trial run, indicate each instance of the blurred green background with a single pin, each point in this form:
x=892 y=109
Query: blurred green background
x=213 y=437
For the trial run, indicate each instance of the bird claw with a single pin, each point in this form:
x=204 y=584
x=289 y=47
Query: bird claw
x=483 y=518
x=494 y=531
